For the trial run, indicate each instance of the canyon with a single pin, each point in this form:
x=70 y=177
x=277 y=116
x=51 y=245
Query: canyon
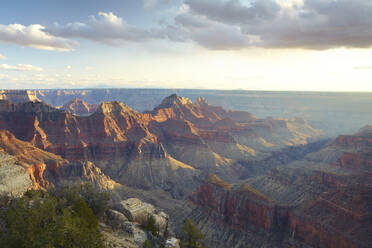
x=322 y=201
x=245 y=181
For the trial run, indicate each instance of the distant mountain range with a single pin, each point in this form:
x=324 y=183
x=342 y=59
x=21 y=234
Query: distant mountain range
x=334 y=113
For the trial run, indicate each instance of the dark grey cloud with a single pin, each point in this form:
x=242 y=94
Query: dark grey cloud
x=234 y=12
x=309 y=24
x=210 y=34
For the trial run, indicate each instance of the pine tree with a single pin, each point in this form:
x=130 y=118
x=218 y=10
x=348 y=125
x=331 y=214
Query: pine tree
x=193 y=235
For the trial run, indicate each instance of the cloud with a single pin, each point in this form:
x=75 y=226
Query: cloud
x=34 y=36
x=69 y=67
x=105 y=28
x=2 y=57
x=309 y=24
x=149 y=4
x=218 y=25
x=20 y=67
x=234 y=12
x=211 y=34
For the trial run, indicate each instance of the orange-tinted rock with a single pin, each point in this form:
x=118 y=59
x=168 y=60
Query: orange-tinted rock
x=339 y=218
x=79 y=107
x=36 y=172
x=239 y=208
x=46 y=169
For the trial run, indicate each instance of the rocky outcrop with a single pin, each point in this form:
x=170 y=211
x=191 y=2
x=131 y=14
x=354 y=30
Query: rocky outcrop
x=130 y=222
x=79 y=107
x=170 y=148
x=240 y=208
x=45 y=169
x=137 y=211
x=322 y=201
x=14 y=178
x=339 y=218
x=17 y=96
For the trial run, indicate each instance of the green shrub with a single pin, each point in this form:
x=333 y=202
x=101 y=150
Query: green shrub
x=193 y=235
x=151 y=226
x=147 y=244
x=39 y=219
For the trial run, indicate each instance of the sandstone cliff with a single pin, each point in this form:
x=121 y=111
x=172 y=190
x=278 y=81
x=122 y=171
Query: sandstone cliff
x=79 y=107
x=321 y=201
x=170 y=147
x=17 y=96
x=43 y=169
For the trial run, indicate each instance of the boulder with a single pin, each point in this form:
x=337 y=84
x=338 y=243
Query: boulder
x=116 y=219
x=134 y=230
x=172 y=243
x=137 y=211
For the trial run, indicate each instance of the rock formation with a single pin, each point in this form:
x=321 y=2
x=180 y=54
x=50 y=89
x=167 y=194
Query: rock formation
x=79 y=107
x=36 y=168
x=323 y=201
x=129 y=224
x=17 y=96
x=170 y=147
x=257 y=194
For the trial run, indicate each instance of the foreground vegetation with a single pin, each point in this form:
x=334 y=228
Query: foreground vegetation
x=67 y=217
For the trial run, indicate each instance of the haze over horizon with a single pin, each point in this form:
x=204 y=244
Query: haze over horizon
x=271 y=45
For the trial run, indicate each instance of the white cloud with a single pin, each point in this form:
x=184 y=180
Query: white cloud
x=2 y=57
x=20 y=67
x=106 y=28
x=219 y=25
x=34 y=36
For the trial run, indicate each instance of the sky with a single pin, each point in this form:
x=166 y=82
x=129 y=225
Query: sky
x=298 y=45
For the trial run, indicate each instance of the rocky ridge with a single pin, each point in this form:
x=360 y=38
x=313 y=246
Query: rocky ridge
x=79 y=107
x=176 y=144
x=162 y=154
x=319 y=201
x=18 y=96
x=36 y=168
x=127 y=226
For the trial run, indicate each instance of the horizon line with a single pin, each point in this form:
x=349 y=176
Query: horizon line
x=201 y=89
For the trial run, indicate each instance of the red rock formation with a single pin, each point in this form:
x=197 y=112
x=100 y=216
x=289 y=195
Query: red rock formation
x=339 y=218
x=46 y=168
x=239 y=208
x=354 y=140
x=313 y=234
x=198 y=135
x=79 y=107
